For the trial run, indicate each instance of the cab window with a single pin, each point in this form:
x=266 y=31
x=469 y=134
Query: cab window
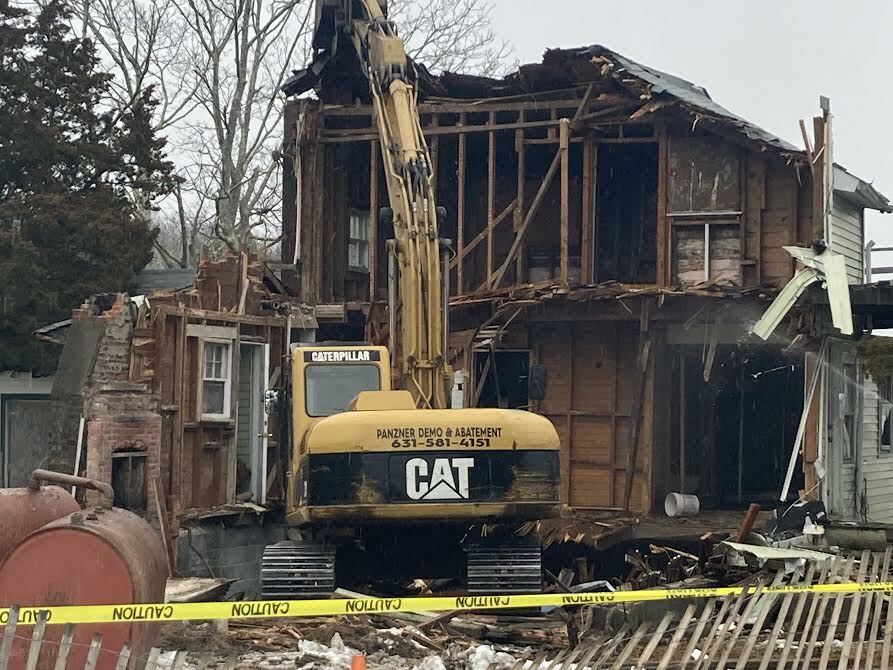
x=330 y=388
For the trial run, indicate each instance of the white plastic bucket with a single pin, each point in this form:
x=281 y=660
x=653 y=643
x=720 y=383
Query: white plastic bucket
x=681 y=504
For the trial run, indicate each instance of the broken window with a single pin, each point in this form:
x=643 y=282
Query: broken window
x=216 y=380
x=626 y=213
x=358 y=242
x=129 y=480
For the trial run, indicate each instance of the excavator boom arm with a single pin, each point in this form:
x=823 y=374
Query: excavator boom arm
x=419 y=337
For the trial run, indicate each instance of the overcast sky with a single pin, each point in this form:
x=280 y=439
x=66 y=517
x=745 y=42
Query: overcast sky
x=767 y=61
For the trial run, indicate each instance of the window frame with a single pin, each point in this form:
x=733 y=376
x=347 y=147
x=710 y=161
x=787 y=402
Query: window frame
x=884 y=449
x=227 y=380
x=363 y=248
x=339 y=365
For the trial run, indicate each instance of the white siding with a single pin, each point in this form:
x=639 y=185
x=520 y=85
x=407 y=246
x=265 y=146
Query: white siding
x=877 y=465
x=847 y=236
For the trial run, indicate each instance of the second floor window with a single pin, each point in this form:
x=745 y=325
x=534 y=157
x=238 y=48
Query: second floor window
x=358 y=242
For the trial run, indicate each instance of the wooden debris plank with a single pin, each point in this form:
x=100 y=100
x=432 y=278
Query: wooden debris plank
x=611 y=646
x=677 y=636
x=782 y=619
x=93 y=653
x=766 y=606
x=9 y=632
x=835 y=616
x=878 y=608
x=123 y=657
x=179 y=661
x=871 y=575
x=703 y=618
x=655 y=640
x=630 y=647
x=817 y=602
x=725 y=612
x=64 y=647
x=747 y=521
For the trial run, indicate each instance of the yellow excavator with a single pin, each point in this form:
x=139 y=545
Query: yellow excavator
x=385 y=484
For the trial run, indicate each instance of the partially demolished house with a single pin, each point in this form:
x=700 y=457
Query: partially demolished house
x=615 y=224
x=161 y=394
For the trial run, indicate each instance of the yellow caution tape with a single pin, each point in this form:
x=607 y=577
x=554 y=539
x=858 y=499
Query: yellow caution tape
x=275 y=609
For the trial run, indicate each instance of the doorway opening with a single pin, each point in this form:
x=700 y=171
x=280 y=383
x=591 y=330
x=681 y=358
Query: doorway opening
x=501 y=379
x=732 y=434
x=626 y=213
x=251 y=426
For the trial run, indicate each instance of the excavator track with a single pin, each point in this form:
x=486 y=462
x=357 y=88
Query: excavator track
x=292 y=570
x=505 y=568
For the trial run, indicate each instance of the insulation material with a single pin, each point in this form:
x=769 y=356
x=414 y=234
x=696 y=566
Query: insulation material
x=724 y=257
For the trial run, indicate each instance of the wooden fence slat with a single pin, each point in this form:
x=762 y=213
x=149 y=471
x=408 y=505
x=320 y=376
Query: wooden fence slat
x=878 y=608
x=64 y=647
x=568 y=661
x=677 y=636
x=631 y=646
x=696 y=636
x=888 y=633
x=726 y=612
x=522 y=662
x=152 y=661
x=878 y=599
x=93 y=652
x=9 y=632
x=765 y=607
x=655 y=639
x=612 y=645
x=36 y=641
x=872 y=575
x=782 y=619
x=589 y=655
x=539 y=660
x=819 y=604
x=835 y=617
x=123 y=657
x=732 y=631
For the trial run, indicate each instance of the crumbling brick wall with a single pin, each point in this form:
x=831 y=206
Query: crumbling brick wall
x=120 y=415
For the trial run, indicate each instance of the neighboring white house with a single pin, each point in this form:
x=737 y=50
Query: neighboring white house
x=24 y=402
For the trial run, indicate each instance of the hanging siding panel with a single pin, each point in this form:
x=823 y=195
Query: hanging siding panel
x=847 y=236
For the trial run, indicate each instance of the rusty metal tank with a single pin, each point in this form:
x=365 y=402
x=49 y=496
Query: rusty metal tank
x=90 y=557
x=24 y=510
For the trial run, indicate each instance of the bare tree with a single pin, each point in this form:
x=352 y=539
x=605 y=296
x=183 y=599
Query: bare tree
x=451 y=35
x=218 y=66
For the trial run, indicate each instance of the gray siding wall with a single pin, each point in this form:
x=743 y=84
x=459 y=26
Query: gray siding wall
x=847 y=236
x=877 y=464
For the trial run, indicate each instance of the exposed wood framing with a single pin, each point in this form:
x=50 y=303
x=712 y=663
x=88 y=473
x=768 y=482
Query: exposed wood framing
x=564 y=147
x=531 y=213
x=460 y=209
x=374 y=149
x=491 y=194
x=179 y=402
x=588 y=222
x=664 y=232
x=463 y=107
x=362 y=135
x=484 y=234
x=644 y=362
x=521 y=175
